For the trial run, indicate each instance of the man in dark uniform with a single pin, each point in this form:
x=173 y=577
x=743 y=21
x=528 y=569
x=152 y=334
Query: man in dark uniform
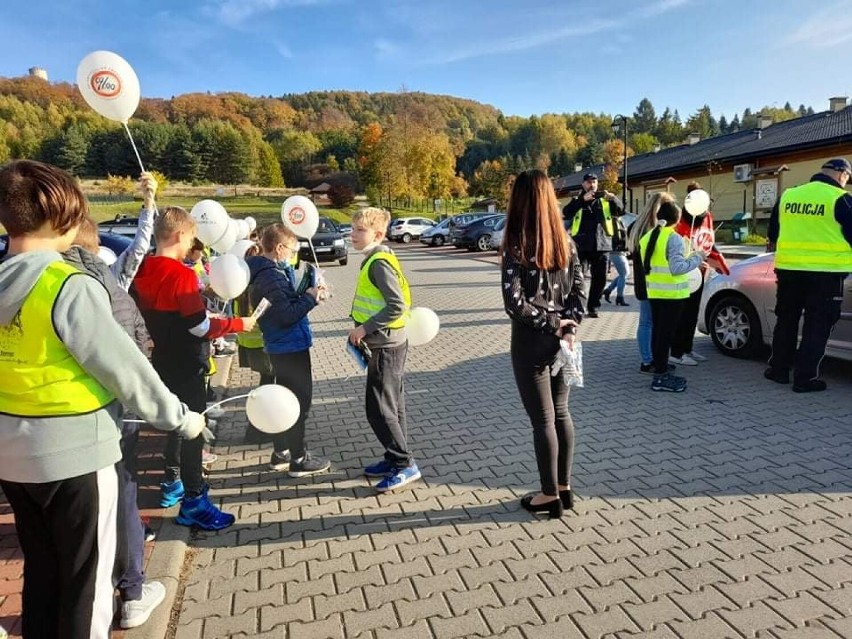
x=590 y=214
x=811 y=232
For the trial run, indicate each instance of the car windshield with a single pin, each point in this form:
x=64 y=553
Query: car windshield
x=326 y=226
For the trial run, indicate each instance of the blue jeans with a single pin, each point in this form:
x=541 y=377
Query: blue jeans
x=643 y=331
x=619 y=261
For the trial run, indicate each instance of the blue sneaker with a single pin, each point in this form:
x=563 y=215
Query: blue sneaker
x=398 y=478
x=171 y=492
x=380 y=469
x=202 y=513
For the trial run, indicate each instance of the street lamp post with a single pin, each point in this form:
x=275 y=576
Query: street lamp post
x=618 y=122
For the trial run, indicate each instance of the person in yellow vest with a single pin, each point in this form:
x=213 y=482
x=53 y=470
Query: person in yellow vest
x=662 y=254
x=380 y=310
x=592 y=228
x=66 y=366
x=810 y=230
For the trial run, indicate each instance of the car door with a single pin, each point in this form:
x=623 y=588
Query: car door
x=841 y=336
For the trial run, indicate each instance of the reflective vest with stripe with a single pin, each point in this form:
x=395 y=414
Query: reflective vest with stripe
x=575 y=224
x=252 y=338
x=38 y=376
x=660 y=283
x=810 y=238
x=369 y=299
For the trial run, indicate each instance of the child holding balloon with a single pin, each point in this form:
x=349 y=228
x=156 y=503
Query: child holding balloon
x=174 y=311
x=380 y=310
x=287 y=340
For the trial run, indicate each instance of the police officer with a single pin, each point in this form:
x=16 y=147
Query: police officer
x=811 y=232
x=591 y=214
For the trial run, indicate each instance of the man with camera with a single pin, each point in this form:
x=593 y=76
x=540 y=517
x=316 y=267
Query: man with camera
x=591 y=215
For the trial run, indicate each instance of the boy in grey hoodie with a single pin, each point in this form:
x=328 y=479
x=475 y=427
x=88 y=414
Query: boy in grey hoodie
x=65 y=369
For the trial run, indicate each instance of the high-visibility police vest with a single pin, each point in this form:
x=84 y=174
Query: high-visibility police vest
x=810 y=238
x=248 y=339
x=368 y=298
x=38 y=376
x=660 y=283
x=575 y=224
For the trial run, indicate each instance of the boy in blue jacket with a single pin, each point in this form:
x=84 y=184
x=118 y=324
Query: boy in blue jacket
x=287 y=340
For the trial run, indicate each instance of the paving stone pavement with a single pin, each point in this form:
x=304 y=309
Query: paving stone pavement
x=724 y=511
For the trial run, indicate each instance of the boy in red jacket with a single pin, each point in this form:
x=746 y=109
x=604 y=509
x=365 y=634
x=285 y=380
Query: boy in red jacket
x=699 y=232
x=174 y=311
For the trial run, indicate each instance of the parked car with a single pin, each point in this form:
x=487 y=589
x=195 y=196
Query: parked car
x=437 y=235
x=466 y=218
x=114 y=243
x=738 y=310
x=497 y=235
x=405 y=229
x=476 y=235
x=328 y=243
x=345 y=229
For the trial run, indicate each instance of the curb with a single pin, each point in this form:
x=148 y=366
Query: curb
x=170 y=547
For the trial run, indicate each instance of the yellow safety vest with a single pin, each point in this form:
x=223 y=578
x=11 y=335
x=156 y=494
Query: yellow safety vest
x=252 y=338
x=660 y=283
x=575 y=224
x=368 y=298
x=38 y=376
x=810 y=238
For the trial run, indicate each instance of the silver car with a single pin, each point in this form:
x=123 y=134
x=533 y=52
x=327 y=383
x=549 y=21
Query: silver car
x=738 y=310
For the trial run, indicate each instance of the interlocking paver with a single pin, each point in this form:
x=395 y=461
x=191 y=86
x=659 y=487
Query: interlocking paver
x=696 y=519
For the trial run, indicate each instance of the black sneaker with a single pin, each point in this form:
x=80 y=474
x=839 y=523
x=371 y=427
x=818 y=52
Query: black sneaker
x=308 y=465
x=280 y=461
x=648 y=369
x=810 y=386
x=777 y=375
x=592 y=313
x=668 y=383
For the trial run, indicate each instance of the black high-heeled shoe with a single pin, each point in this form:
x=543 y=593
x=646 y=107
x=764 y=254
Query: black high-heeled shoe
x=553 y=508
x=619 y=301
x=567 y=499
x=606 y=295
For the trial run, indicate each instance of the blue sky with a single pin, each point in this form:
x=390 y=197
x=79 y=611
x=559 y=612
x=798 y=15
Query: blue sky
x=522 y=56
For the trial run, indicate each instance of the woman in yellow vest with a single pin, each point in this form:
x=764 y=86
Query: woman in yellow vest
x=664 y=267
x=66 y=367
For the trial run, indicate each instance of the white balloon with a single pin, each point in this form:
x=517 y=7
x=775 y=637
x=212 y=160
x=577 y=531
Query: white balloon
x=243 y=229
x=272 y=408
x=695 y=279
x=228 y=239
x=422 y=326
x=107 y=255
x=229 y=276
x=240 y=247
x=697 y=202
x=109 y=85
x=300 y=215
x=211 y=218
x=252 y=223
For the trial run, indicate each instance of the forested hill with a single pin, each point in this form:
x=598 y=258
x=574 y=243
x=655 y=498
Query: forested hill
x=408 y=144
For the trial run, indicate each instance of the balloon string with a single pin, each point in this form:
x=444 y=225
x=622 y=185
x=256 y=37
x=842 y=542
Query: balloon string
x=133 y=144
x=212 y=406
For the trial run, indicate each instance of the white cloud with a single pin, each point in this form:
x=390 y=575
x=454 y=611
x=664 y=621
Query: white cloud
x=237 y=12
x=284 y=51
x=825 y=29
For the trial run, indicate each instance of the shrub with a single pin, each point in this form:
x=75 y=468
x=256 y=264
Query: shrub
x=341 y=195
x=754 y=239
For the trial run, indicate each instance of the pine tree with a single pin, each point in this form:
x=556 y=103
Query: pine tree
x=644 y=118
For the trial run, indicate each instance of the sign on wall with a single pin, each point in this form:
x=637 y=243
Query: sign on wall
x=765 y=193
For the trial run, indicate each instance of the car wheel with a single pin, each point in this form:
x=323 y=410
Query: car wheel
x=735 y=327
x=344 y=261
x=483 y=243
x=438 y=240
x=406 y=238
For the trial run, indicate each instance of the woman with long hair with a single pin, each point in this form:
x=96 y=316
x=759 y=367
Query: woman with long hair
x=543 y=294
x=646 y=221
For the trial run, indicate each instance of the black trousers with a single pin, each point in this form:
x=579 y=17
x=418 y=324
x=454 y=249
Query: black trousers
x=597 y=262
x=183 y=456
x=819 y=297
x=684 y=336
x=385 y=402
x=130 y=583
x=74 y=548
x=666 y=317
x=545 y=399
x=293 y=370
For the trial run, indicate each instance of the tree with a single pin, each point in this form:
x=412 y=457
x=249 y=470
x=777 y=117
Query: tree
x=67 y=150
x=119 y=185
x=703 y=123
x=644 y=117
x=723 y=124
x=561 y=164
x=669 y=129
x=295 y=150
x=734 y=126
x=181 y=159
x=643 y=142
x=341 y=195
x=590 y=154
x=268 y=168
